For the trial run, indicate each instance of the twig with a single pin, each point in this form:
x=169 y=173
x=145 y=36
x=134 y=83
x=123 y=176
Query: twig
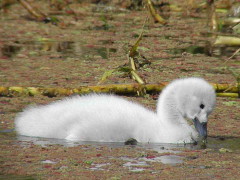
x=157 y=18
x=237 y=51
x=35 y=13
x=211 y=13
x=227 y=41
x=109 y=88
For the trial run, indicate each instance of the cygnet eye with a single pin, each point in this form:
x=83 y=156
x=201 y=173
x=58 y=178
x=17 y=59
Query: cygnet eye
x=202 y=106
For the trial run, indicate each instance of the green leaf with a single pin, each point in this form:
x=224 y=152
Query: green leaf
x=106 y=75
x=133 y=50
x=89 y=162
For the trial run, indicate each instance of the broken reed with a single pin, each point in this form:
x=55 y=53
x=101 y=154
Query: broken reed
x=222 y=90
x=35 y=12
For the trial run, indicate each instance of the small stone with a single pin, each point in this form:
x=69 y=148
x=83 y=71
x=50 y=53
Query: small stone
x=131 y=141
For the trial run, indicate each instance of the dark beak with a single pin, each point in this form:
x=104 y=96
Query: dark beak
x=201 y=128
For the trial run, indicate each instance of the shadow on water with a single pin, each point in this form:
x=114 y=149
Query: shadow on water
x=190 y=49
x=65 y=48
x=206 y=49
x=10 y=50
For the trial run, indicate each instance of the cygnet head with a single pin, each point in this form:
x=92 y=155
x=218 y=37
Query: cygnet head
x=192 y=98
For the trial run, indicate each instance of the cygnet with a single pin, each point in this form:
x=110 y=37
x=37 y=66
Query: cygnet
x=110 y=118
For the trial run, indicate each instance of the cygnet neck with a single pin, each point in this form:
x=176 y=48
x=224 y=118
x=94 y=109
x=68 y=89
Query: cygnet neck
x=168 y=107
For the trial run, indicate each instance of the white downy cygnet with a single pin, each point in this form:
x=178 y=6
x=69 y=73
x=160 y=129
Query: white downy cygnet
x=109 y=118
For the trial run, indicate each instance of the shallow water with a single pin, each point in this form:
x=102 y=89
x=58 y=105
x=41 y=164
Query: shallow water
x=142 y=163
x=137 y=164
x=40 y=63
x=213 y=142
